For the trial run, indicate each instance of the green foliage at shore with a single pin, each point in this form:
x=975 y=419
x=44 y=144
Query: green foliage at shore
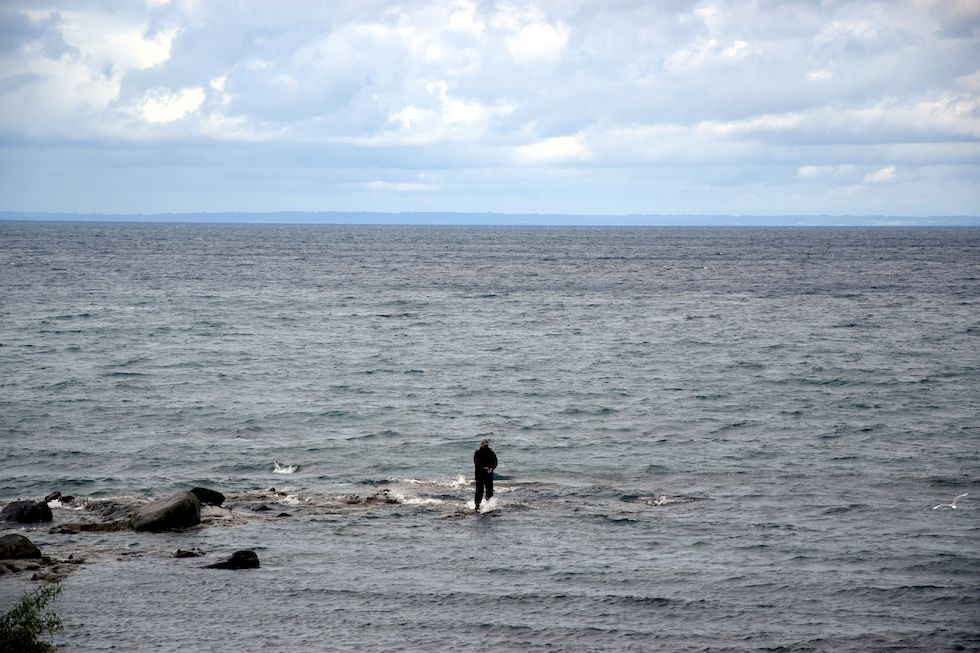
x=29 y=626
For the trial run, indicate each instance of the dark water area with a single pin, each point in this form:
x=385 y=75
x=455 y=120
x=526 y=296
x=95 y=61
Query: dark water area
x=723 y=439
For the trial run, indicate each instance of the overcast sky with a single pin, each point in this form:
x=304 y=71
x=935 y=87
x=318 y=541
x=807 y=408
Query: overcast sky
x=618 y=106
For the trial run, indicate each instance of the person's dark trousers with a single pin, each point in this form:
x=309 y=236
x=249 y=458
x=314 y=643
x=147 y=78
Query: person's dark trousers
x=484 y=482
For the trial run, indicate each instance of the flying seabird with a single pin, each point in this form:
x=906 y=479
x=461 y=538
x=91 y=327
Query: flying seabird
x=951 y=504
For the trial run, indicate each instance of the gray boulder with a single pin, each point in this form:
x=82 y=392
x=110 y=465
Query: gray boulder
x=26 y=512
x=17 y=547
x=176 y=512
x=208 y=497
x=238 y=560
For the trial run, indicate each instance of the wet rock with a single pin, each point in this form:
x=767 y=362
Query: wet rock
x=208 y=497
x=238 y=560
x=26 y=512
x=176 y=512
x=17 y=547
x=262 y=508
x=102 y=527
x=53 y=496
x=112 y=509
x=193 y=553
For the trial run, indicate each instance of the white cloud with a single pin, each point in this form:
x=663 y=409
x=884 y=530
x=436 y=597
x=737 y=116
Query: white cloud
x=820 y=172
x=398 y=187
x=456 y=111
x=554 y=150
x=116 y=41
x=538 y=43
x=755 y=125
x=735 y=48
x=880 y=176
x=448 y=118
x=706 y=53
x=161 y=106
x=74 y=90
x=465 y=19
x=847 y=32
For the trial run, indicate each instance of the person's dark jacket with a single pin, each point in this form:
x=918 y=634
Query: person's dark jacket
x=484 y=458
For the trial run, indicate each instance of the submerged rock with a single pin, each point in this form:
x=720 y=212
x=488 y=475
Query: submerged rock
x=17 y=547
x=176 y=512
x=238 y=560
x=208 y=497
x=193 y=553
x=26 y=512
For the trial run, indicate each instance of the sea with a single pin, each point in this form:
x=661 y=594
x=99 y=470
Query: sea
x=709 y=439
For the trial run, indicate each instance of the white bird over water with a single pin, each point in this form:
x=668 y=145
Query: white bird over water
x=951 y=504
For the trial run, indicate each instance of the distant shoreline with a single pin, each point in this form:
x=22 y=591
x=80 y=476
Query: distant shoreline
x=497 y=219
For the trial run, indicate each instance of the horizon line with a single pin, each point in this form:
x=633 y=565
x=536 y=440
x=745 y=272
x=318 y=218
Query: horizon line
x=492 y=218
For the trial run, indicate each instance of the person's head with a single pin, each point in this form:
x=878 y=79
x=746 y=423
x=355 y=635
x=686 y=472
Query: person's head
x=484 y=443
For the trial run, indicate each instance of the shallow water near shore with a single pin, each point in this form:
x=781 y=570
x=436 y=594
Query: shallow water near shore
x=709 y=439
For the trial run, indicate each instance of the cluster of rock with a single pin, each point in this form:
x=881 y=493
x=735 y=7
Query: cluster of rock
x=26 y=512
x=18 y=554
x=177 y=512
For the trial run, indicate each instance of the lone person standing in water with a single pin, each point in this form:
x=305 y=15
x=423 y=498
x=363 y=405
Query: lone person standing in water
x=485 y=461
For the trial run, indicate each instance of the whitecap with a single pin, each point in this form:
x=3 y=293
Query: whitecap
x=662 y=500
x=283 y=469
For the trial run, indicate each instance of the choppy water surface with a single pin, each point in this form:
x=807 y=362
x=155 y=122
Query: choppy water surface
x=726 y=439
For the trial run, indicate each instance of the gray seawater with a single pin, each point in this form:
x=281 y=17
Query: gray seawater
x=709 y=439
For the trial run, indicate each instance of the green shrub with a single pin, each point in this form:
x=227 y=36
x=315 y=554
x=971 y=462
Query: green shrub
x=29 y=626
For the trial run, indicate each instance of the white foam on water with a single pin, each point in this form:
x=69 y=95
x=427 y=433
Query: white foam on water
x=662 y=500
x=283 y=469
x=415 y=501
x=456 y=483
x=487 y=506
x=57 y=504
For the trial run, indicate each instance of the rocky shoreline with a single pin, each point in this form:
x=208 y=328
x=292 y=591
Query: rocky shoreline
x=177 y=512
x=196 y=508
